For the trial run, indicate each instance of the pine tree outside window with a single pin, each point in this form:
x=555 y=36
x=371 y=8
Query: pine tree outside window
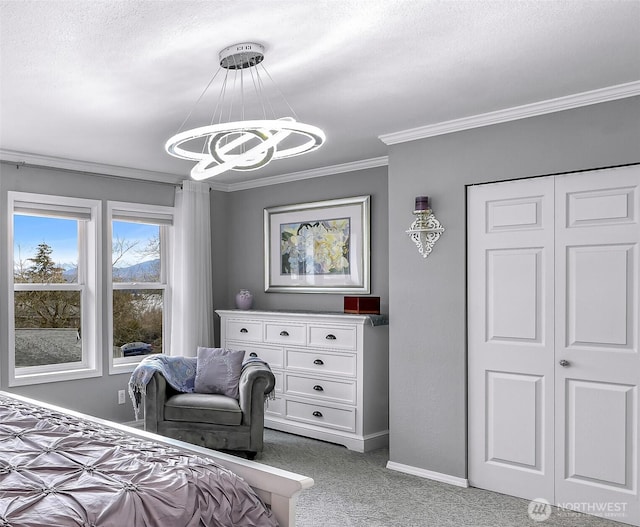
x=54 y=303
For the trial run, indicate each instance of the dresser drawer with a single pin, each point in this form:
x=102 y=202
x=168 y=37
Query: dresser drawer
x=244 y=330
x=272 y=356
x=342 y=392
x=279 y=381
x=321 y=415
x=286 y=333
x=274 y=407
x=337 y=337
x=321 y=362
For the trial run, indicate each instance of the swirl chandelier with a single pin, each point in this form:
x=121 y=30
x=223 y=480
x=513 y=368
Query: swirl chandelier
x=239 y=143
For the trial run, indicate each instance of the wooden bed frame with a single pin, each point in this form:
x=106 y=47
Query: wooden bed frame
x=277 y=488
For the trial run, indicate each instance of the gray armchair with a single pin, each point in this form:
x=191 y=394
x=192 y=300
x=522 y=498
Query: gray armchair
x=213 y=421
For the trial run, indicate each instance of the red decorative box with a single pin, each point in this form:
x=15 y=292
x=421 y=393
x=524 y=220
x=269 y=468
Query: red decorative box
x=362 y=305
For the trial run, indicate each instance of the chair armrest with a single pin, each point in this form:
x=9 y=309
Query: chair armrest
x=256 y=381
x=154 y=400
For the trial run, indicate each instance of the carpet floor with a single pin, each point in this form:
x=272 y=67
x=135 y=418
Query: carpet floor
x=357 y=490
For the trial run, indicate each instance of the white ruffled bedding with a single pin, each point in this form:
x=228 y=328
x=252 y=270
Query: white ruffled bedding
x=59 y=470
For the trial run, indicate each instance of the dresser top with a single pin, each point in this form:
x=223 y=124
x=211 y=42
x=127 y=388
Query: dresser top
x=374 y=320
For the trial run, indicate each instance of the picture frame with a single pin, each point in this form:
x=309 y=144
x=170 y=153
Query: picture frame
x=318 y=247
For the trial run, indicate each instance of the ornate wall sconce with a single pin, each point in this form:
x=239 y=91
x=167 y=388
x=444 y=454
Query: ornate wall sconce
x=425 y=229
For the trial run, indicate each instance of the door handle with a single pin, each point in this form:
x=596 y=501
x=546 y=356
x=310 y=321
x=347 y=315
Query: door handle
x=564 y=363
x=284 y=333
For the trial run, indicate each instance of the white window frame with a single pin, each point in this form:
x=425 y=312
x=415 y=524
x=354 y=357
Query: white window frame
x=89 y=284
x=154 y=215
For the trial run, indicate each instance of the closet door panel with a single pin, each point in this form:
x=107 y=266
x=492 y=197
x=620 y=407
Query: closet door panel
x=597 y=361
x=510 y=270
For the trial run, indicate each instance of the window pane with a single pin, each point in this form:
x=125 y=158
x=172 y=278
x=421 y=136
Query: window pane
x=45 y=250
x=47 y=327
x=135 y=252
x=137 y=322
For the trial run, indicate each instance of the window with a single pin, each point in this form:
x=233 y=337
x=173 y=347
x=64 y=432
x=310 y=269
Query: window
x=139 y=302
x=55 y=298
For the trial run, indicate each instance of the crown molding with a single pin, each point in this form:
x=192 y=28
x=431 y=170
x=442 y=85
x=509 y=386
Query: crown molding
x=214 y=185
x=559 y=104
x=307 y=174
x=27 y=159
x=610 y=93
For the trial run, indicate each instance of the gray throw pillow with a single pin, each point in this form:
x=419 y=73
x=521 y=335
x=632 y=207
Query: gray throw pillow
x=218 y=371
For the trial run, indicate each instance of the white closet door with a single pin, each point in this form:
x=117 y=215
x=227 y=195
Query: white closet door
x=597 y=318
x=510 y=346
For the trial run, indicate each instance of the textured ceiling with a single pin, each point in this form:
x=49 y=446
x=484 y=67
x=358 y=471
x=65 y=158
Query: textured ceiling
x=110 y=81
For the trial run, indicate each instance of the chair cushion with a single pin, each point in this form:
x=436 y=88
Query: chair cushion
x=203 y=408
x=218 y=371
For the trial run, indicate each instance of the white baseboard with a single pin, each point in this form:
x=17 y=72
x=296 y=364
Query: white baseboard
x=135 y=424
x=428 y=474
x=377 y=440
x=352 y=441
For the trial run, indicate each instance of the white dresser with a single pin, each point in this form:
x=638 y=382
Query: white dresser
x=331 y=369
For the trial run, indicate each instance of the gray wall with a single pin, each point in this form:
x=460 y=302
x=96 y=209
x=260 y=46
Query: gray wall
x=428 y=297
x=243 y=226
x=96 y=396
x=237 y=252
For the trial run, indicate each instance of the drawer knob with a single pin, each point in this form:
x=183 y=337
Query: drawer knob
x=330 y=337
x=284 y=333
x=244 y=330
x=318 y=362
x=317 y=414
x=318 y=388
x=253 y=354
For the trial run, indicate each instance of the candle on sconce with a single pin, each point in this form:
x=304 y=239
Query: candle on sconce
x=422 y=203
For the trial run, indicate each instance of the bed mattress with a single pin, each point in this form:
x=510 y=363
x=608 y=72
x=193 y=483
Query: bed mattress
x=61 y=470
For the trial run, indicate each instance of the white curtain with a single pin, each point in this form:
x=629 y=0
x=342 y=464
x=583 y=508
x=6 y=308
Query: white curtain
x=192 y=297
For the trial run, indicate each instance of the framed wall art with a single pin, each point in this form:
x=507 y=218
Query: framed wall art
x=319 y=247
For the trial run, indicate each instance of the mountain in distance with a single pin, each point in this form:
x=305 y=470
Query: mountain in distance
x=132 y=273
x=140 y=271
x=69 y=271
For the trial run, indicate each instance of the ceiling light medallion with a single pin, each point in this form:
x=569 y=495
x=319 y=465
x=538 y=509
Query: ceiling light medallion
x=242 y=144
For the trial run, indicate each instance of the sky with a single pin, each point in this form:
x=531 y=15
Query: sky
x=62 y=236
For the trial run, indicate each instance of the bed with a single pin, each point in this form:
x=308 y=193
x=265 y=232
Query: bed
x=59 y=467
